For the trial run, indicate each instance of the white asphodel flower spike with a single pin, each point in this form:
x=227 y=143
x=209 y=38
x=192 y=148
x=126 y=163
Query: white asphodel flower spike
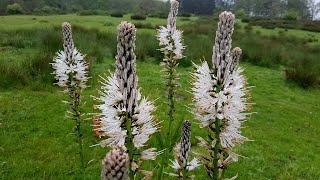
x=220 y=99
x=126 y=119
x=70 y=68
x=170 y=42
x=71 y=73
x=170 y=38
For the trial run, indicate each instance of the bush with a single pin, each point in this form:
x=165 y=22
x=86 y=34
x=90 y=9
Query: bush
x=138 y=17
x=303 y=75
x=116 y=14
x=311 y=26
x=185 y=19
x=49 y=10
x=163 y=16
x=269 y=26
x=185 y=14
x=241 y=14
x=159 y=15
x=291 y=15
x=287 y=23
x=92 y=12
x=144 y=26
x=245 y=20
x=14 y=9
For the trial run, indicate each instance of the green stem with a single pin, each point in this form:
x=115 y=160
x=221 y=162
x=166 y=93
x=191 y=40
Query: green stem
x=184 y=174
x=216 y=149
x=171 y=103
x=130 y=144
x=77 y=113
x=80 y=145
x=171 y=87
x=216 y=130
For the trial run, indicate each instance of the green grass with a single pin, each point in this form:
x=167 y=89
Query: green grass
x=289 y=32
x=36 y=141
x=105 y=23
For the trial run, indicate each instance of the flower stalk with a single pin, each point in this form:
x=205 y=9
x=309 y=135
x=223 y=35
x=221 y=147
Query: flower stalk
x=126 y=118
x=170 y=42
x=71 y=73
x=220 y=97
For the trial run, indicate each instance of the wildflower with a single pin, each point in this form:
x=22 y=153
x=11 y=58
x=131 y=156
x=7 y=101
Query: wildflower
x=219 y=97
x=181 y=153
x=126 y=118
x=170 y=42
x=70 y=68
x=71 y=73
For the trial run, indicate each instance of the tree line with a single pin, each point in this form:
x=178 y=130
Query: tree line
x=302 y=9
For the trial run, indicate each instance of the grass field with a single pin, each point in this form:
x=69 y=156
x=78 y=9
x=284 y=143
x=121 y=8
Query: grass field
x=286 y=32
x=100 y=22
x=36 y=141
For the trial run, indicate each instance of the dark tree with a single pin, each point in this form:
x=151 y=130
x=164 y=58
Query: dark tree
x=198 y=6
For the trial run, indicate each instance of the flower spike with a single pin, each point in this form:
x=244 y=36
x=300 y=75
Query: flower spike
x=220 y=101
x=126 y=118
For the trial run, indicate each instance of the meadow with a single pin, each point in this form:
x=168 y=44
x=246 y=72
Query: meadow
x=36 y=141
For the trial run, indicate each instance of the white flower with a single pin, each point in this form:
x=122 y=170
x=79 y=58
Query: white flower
x=177 y=44
x=175 y=164
x=233 y=157
x=163 y=36
x=65 y=69
x=203 y=143
x=147 y=174
x=110 y=94
x=111 y=112
x=194 y=163
x=115 y=139
x=170 y=39
x=150 y=154
x=171 y=43
x=227 y=105
x=145 y=124
x=204 y=95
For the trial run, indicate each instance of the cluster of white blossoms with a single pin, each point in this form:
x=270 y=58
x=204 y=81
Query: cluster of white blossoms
x=220 y=98
x=70 y=68
x=126 y=118
x=170 y=39
x=112 y=116
x=227 y=104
